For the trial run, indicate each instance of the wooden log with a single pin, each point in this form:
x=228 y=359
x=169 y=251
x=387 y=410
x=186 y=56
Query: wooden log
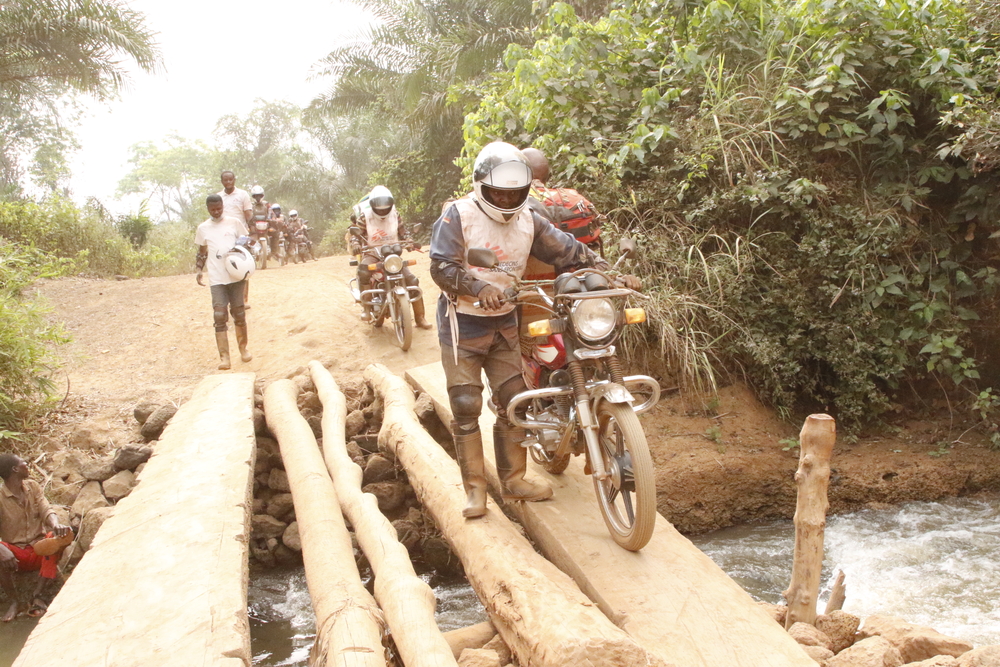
x=473 y=636
x=349 y=624
x=838 y=594
x=816 y=440
x=407 y=601
x=538 y=610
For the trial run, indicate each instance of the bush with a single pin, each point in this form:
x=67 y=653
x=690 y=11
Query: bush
x=25 y=335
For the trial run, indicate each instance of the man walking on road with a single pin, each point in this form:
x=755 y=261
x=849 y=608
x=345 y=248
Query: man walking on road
x=228 y=268
x=237 y=204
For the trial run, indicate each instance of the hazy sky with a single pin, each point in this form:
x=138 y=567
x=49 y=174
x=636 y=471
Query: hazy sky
x=218 y=57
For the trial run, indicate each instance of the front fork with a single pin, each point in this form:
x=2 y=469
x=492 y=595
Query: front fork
x=587 y=420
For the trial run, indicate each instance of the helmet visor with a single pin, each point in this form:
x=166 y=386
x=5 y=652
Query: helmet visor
x=381 y=205
x=505 y=199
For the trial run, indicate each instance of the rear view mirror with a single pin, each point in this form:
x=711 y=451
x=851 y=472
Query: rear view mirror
x=484 y=258
x=354 y=231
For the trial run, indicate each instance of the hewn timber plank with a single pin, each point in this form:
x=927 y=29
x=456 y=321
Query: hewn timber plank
x=670 y=597
x=165 y=581
x=538 y=610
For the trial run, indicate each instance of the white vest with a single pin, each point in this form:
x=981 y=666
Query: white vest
x=382 y=230
x=510 y=241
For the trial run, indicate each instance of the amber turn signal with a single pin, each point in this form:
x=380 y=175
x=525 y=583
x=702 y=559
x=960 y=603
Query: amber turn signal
x=373 y=267
x=635 y=315
x=411 y=262
x=540 y=328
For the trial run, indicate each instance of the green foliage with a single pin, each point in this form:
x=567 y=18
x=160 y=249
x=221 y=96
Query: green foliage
x=25 y=334
x=788 y=444
x=820 y=179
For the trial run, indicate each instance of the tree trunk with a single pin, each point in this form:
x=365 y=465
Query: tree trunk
x=407 y=601
x=537 y=609
x=837 y=595
x=349 y=624
x=816 y=442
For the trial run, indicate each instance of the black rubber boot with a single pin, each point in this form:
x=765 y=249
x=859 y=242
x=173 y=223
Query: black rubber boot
x=469 y=452
x=512 y=463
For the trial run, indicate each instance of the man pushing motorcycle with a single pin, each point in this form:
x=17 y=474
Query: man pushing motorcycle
x=380 y=224
x=477 y=328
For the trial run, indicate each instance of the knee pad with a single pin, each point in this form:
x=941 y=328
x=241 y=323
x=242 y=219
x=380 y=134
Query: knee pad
x=239 y=315
x=507 y=391
x=466 y=404
x=221 y=317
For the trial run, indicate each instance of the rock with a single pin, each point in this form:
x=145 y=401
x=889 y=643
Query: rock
x=259 y=506
x=984 y=656
x=290 y=538
x=840 y=627
x=266 y=459
x=407 y=533
x=154 y=425
x=497 y=644
x=130 y=457
x=775 y=611
x=262 y=554
x=355 y=392
x=316 y=424
x=143 y=409
x=818 y=653
x=65 y=493
x=870 y=652
x=437 y=555
x=390 y=495
x=306 y=385
x=119 y=486
x=479 y=657
x=280 y=506
x=309 y=401
x=265 y=526
x=378 y=469
x=424 y=408
x=277 y=479
x=98 y=470
x=92 y=435
x=67 y=462
x=915 y=642
x=356 y=453
x=259 y=422
x=937 y=661
x=89 y=498
x=285 y=556
x=809 y=635
x=355 y=424
x=91 y=523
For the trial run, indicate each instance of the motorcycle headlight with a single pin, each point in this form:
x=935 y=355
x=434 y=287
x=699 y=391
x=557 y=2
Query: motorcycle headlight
x=594 y=319
x=393 y=263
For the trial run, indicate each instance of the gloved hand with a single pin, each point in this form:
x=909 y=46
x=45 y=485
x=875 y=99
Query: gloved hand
x=631 y=282
x=490 y=298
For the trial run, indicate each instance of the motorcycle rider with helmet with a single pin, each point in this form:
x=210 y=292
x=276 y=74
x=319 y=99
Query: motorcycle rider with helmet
x=299 y=229
x=228 y=264
x=476 y=328
x=380 y=224
x=278 y=226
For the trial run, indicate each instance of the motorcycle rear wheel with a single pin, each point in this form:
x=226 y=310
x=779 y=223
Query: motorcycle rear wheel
x=628 y=497
x=402 y=323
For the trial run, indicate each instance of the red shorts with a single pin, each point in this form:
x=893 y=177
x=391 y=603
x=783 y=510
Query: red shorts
x=29 y=561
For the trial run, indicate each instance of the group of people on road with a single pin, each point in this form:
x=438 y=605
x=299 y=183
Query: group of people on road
x=533 y=230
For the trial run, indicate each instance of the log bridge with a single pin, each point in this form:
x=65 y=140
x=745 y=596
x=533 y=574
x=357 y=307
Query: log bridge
x=165 y=580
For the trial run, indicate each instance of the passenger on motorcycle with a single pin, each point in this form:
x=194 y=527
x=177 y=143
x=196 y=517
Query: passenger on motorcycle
x=476 y=328
x=278 y=225
x=380 y=224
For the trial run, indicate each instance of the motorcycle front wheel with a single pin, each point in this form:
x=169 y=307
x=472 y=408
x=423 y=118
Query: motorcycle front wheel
x=628 y=497
x=402 y=322
x=264 y=251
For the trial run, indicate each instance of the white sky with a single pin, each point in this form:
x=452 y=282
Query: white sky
x=218 y=57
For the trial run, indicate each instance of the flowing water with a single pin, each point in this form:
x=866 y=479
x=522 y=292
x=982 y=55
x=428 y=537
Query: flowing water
x=283 y=627
x=934 y=564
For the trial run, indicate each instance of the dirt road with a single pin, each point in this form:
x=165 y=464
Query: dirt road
x=154 y=336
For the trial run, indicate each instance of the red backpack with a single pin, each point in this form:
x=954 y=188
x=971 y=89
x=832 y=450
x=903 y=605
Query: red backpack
x=571 y=212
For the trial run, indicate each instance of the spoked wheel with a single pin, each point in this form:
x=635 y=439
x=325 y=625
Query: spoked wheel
x=628 y=497
x=402 y=322
x=264 y=250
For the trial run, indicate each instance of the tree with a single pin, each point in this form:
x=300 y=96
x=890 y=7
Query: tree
x=177 y=177
x=51 y=50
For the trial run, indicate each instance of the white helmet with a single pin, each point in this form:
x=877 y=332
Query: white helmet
x=239 y=263
x=293 y=213
x=257 y=190
x=501 y=168
x=380 y=201
x=275 y=207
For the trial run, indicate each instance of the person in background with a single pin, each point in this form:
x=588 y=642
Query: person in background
x=27 y=523
x=217 y=240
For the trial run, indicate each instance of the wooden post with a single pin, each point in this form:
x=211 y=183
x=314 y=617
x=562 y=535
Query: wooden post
x=407 y=601
x=538 y=610
x=816 y=440
x=348 y=622
x=838 y=594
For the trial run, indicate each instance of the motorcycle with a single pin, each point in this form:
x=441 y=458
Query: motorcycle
x=280 y=251
x=388 y=296
x=261 y=249
x=578 y=400
x=300 y=248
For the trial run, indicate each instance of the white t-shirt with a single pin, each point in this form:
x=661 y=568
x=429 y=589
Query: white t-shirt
x=234 y=204
x=220 y=235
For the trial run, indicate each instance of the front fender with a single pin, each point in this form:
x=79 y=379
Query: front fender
x=612 y=392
